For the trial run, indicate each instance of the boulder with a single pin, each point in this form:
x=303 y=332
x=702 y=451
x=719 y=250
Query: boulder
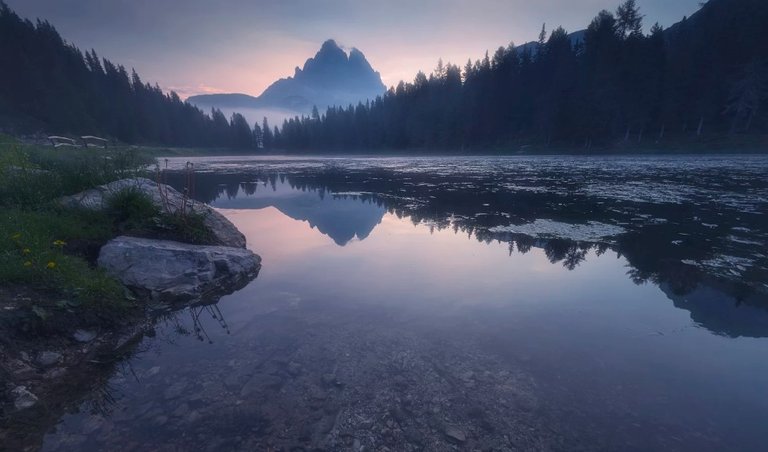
x=22 y=398
x=455 y=434
x=173 y=271
x=167 y=199
x=48 y=359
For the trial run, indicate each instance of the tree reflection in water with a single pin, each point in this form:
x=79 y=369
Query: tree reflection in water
x=666 y=244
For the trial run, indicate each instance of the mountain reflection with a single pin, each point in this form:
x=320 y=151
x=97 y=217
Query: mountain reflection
x=348 y=205
x=343 y=218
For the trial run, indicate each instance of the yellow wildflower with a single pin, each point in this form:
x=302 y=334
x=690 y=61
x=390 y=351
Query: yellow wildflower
x=51 y=264
x=27 y=264
x=26 y=251
x=16 y=236
x=59 y=243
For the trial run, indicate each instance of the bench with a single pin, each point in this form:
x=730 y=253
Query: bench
x=58 y=141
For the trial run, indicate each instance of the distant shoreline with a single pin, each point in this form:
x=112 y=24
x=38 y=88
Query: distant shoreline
x=161 y=153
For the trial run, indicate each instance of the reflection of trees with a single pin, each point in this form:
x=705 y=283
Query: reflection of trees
x=524 y=244
x=473 y=204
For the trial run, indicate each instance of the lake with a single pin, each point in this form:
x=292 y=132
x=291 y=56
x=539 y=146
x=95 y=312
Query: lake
x=511 y=303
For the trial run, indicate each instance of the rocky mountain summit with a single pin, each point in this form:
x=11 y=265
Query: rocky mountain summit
x=331 y=77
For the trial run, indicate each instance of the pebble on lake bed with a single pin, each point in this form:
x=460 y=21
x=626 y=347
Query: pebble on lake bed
x=22 y=398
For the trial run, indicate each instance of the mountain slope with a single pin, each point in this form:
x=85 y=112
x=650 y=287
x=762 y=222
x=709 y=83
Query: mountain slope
x=331 y=77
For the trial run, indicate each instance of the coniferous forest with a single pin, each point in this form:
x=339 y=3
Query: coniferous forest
x=47 y=84
x=706 y=76
x=618 y=82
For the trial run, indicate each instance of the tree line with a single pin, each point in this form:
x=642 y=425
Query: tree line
x=705 y=76
x=49 y=85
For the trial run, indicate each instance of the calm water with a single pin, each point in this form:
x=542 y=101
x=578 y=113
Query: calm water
x=476 y=304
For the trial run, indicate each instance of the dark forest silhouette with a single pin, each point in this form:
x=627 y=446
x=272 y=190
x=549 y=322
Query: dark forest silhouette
x=704 y=78
x=47 y=84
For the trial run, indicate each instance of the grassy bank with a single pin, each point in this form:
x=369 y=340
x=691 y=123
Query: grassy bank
x=49 y=250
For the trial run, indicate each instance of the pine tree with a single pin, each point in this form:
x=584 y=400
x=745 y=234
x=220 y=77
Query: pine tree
x=267 y=136
x=629 y=21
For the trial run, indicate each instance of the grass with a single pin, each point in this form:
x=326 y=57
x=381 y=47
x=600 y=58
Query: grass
x=32 y=253
x=50 y=249
x=131 y=208
x=31 y=176
x=132 y=212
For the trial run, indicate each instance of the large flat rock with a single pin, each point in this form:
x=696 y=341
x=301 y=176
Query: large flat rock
x=173 y=271
x=166 y=199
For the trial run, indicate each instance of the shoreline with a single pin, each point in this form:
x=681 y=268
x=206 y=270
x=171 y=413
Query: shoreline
x=51 y=345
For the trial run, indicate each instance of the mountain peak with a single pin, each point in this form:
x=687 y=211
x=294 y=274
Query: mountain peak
x=343 y=77
x=329 y=45
x=331 y=77
x=328 y=57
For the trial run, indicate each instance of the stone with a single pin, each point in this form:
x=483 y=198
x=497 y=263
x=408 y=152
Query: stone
x=92 y=424
x=294 y=368
x=326 y=424
x=455 y=434
x=55 y=374
x=194 y=416
x=317 y=393
x=84 y=336
x=21 y=370
x=232 y=381
x=22 y=398
x=468 y=375
x=173 y=271
x=166 y=199
x=175 y=390
x=48 y=359
x=181 y=411
x=260 y=383
x=160 y=420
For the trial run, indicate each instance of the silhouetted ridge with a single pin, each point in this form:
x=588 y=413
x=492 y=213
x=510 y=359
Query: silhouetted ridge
x=48 y=85
x=701 y=84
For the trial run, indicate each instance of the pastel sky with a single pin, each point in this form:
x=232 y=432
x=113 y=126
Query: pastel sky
x=207 y=46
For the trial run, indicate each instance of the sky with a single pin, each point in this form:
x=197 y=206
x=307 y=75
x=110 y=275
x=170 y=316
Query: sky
x=207 y=46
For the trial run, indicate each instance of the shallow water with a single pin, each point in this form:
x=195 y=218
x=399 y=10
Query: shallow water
x=478 y=304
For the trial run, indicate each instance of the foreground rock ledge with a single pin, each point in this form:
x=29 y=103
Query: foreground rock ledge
x=173 y=271
x=165 y=198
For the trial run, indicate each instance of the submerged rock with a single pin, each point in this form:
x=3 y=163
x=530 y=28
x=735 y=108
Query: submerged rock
x=455 y=435
x=173 y=271
x=48 y=359
x=22 y=398
x=84 y=336
x=166 y=199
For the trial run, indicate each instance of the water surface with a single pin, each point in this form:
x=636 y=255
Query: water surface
x=477 y=304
